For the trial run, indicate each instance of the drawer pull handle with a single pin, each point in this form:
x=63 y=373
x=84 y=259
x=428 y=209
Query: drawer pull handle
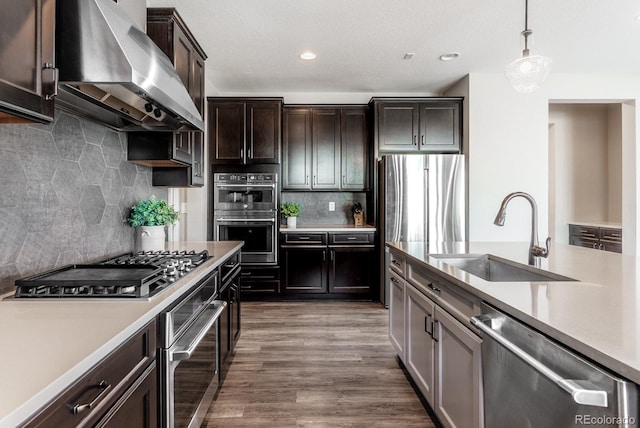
x=433 y=287
x=395 y=262
x=79 y=408
x=351 y=238
x=304 y=238
x=395 y=281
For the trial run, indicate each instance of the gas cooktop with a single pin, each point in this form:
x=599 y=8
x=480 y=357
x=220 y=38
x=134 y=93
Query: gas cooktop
x=134 y=275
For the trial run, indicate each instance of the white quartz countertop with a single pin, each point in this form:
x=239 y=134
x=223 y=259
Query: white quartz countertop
x=48 y=343
x=597 y=316
x=350 y=228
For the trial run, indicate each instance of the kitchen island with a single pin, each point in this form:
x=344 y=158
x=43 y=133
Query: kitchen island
x=49 y=343
x=598 y=315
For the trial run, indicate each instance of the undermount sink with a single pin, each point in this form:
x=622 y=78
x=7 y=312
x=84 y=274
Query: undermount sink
x=495 y=269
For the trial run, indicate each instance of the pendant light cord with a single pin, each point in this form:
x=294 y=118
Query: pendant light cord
x=527 y=32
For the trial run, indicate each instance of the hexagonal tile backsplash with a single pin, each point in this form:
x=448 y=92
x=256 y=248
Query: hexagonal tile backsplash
x=65 y=194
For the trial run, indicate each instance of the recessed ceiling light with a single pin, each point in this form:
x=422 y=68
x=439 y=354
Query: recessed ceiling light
x=307 y=55
x=638 y=18
x=449 y=56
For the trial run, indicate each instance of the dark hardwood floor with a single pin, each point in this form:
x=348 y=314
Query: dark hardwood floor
x=315 y=364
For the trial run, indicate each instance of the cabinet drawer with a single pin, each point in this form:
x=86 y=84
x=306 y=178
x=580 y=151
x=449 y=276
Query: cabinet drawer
x=103 y=385
x=583 y=231
x=351 y=238
x=611 y=235
x=303 y=238
x=263 y=280
x=397 y=262
x=456 y=301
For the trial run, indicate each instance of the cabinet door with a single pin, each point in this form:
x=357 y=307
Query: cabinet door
x=197 y=165
x=182 y=147
x=27 y=76
x=350 y=270
x=458 y=401
x=440 y=127
x=234 y=303
x=325 y=126
x=420 y=350
x=396 y=313
x=296 y=147
x=227 y=132
x=354 y=140
x=224 y=325
x=197 y=82
x=138 y=407
x=305 y=270
x=264 y=133
x=183 y=56
x=397 y=127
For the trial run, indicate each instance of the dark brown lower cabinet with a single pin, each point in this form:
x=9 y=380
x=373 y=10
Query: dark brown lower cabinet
x=121 y=390
x=260 y=282
x=305 y=270
x=229 y=322
x=351 y=269
x=138 y=407
x=328 y=265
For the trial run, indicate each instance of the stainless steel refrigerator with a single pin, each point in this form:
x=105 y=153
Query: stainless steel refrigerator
x=422 y=198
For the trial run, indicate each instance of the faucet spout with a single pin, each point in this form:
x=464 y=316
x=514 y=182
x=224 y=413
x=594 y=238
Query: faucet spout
x=535 y=250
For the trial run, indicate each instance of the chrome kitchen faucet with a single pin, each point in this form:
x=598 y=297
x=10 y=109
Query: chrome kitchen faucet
x=535 y=250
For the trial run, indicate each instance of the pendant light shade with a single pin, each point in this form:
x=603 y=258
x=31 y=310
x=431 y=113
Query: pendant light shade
x=527 y=73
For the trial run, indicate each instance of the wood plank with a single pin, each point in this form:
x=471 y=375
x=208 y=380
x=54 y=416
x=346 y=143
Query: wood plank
x=315 y=364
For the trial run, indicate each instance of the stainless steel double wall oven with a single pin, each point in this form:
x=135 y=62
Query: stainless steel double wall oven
x=245 y=208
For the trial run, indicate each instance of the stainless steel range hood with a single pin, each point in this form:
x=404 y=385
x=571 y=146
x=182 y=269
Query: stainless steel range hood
x=111 y=71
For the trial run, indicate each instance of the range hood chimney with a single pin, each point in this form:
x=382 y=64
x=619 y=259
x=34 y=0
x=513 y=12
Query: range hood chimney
x=111 y=71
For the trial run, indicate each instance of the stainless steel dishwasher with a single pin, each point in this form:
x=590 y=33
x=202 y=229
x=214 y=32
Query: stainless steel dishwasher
x=531 y=381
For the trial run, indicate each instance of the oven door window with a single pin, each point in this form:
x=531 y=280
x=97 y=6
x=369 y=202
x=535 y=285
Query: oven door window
x=192 y=378
x=257 y=238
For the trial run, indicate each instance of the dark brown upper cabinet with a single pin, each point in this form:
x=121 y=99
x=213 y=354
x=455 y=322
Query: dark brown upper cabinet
x=245 y=130
x=407 y=125
x=325 y=148
x=177 y=160
x=28 y=77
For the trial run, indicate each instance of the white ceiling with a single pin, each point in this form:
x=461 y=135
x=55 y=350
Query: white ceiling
x=253 y=45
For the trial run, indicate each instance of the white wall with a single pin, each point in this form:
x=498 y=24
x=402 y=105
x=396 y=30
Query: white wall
x=508 y=148
x=583 y=139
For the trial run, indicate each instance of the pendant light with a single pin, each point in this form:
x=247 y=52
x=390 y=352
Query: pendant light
x=527 y=73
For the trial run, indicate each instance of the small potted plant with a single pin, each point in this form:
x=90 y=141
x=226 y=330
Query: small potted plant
x=150 y=217
x=291 y=210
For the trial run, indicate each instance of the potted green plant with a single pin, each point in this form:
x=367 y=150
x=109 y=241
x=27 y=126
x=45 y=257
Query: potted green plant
x=150 y=217
x=291 y=210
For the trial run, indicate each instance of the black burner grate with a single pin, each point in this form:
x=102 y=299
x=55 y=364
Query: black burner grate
x=134 y=275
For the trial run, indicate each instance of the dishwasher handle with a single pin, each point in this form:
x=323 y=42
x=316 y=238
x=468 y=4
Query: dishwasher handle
x=581 y=391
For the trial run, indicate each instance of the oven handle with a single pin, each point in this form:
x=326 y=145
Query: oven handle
x=197 y=331
x=270 y=220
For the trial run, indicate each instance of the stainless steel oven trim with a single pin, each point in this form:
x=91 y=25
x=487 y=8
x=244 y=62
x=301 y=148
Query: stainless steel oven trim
x=168 y=334
x=196 y=332
x=272 y=252
x=244 y=186
x=246 y=220
x=176 y=354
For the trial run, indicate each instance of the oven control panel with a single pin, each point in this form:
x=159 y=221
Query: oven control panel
x=242 y=178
